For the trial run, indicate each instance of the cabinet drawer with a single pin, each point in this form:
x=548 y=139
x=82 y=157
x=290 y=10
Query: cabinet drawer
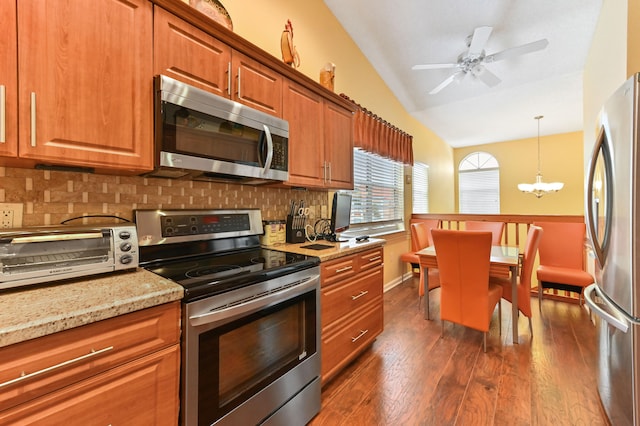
x=343 y=345
x=337 y=270
x=35 y=367
x=142 y=392
x=340 y=299
x=370 y=259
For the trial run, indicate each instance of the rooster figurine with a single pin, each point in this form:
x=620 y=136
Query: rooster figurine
x=289 y=52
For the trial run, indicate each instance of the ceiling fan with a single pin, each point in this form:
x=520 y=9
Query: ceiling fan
x=473 y=60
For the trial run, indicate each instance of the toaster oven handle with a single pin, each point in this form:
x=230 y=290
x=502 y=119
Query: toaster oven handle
x=57 y=237
x=267 y=162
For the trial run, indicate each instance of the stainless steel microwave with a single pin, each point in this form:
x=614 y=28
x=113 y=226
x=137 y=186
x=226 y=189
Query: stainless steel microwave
x=202 y=136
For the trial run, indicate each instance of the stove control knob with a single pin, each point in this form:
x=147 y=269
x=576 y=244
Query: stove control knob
x=125 y=246
x=126 y=259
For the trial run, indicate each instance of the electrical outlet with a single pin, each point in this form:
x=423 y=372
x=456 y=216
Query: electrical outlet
x=10 y=215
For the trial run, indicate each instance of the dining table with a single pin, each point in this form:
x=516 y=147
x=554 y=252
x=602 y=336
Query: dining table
x=505 y=261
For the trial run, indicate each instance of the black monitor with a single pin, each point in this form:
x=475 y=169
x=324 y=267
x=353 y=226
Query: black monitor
x=340 y=215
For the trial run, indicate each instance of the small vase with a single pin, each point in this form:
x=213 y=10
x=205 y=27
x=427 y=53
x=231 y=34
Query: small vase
x=213 y=9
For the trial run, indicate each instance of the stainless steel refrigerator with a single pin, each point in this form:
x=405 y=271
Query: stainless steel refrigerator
x=613 y=225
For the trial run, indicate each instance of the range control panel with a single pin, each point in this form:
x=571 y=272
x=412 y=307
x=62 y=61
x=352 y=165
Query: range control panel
x=180 y=225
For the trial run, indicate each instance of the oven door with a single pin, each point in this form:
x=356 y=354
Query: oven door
x=247 y=356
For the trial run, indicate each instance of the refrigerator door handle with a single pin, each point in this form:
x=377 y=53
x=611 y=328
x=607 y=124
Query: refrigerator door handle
x=603 y=308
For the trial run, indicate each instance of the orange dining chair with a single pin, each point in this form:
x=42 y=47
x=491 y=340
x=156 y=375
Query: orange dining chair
x=421 y=238
x=496 y=229
x=466 y=296
x=562 y=258
x=524 y=279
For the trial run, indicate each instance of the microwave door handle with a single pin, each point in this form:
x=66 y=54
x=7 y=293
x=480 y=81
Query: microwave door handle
x=267 y=162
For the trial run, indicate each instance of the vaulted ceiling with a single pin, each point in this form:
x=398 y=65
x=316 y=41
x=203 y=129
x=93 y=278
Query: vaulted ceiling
x=396 y=36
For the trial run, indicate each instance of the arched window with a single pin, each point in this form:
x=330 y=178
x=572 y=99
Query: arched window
x=479 y=184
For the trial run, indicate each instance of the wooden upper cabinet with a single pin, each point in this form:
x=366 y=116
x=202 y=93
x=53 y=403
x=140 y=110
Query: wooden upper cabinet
x=338 y=138
x=303 y=110
x=183 y=52
x=8 y=80
x=256 y=85
x=86 y=93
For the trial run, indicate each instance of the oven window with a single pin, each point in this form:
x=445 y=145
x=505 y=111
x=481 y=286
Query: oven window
x=239 y=359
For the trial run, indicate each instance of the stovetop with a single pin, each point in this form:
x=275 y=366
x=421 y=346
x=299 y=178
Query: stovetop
x=208 y=275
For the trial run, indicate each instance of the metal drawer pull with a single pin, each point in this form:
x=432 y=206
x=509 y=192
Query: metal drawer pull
x=239 y=94
x=33 y=118
x=375 y=258
x=229 y=79
x=3 y=114
x=24 y=376
x=346 y=268
x=362 y=333
x=362 y=293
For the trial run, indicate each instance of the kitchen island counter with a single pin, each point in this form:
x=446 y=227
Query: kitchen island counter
x=35 y=311
x=336 y=251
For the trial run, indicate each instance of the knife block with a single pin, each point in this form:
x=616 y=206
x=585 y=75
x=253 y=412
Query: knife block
x=295 y=229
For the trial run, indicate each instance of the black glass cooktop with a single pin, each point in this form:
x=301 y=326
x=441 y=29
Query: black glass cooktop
x=214 y=274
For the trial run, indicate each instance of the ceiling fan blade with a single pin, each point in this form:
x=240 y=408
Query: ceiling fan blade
x=479 y=41
x=433 y=66
x=445 y=83
x=517 y=51
x=487 y=77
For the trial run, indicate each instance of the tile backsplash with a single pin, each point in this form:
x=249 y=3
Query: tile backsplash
x=50 y=197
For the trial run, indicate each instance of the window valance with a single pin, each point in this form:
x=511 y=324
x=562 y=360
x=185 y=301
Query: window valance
x=373 y=134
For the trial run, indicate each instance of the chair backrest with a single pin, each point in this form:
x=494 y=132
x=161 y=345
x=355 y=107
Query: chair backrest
x=421 y=233
x=496 y=229
x=562 y=244
x=463 y=261
x=529 y=257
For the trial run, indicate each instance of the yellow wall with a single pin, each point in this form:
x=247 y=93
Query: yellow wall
x=319 y=38
x=561 y=161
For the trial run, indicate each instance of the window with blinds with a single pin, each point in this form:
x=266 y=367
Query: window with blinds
x=420 y=188
x=479 y=184
x=377 y=204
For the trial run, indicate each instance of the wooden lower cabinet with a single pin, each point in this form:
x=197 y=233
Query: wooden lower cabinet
x=351 y=308
x=123 y=370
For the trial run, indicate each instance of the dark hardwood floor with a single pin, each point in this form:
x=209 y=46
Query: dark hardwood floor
x=411 y=376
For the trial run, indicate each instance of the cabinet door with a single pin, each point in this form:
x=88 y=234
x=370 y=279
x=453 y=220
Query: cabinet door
x=338 y=139
x=142 y=392
x=256 y=85
x=303 y=110
x=190 y=55
x=86 y=92
x=8 y=80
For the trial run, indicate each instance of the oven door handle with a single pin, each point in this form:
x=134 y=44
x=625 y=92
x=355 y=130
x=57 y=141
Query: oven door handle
x=256 y=303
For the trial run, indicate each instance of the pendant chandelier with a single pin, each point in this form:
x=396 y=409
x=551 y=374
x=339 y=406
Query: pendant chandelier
x=539 y=188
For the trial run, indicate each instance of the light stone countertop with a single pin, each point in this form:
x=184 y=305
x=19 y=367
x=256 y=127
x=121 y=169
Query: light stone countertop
x=337 y=249
x=34 y=311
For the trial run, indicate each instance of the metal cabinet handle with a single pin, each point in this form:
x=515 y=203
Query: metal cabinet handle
x=358 y=296
x=229 y=79
x=329 y=165
x=374 y=258
x=239 y=95
x=33 y=119
x=346 y=268
x=3 y=114
x=362 y=333
x=24 y=376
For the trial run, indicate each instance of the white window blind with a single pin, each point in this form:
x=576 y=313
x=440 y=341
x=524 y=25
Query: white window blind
x=479 y=184
x=377 y=203
x=420 y=188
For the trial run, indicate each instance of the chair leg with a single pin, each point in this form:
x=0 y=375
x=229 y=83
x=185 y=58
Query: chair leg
x=530 y=327
x=499 y=318
x=540 y=296
x=484 y=341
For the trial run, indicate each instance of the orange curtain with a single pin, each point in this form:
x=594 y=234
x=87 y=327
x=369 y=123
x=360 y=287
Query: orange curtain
x=373 y=134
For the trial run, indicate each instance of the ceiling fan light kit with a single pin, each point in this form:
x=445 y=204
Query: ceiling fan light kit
x=472 y=62
x=540 y=188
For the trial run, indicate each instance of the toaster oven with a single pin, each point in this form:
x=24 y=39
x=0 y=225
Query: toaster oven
x=44 y=254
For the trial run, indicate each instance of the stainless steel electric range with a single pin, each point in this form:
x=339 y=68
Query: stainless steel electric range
x=251 y=326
